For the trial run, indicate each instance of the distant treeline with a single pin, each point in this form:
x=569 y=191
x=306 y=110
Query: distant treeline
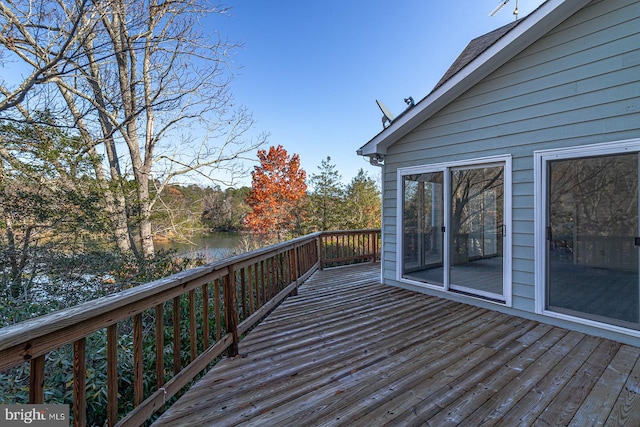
x=189 y=209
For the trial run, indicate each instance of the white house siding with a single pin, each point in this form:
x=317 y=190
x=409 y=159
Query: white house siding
x=578 y=85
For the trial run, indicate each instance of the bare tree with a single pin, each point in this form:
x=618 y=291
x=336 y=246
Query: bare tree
x=141 y=83
x=45 y=43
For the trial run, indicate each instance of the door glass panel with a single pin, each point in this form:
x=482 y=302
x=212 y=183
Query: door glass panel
x=592 y=260
x=477 y=215
x=422 y=227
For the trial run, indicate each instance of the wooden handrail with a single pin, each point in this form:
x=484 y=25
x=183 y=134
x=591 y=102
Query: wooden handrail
x=348 y=246
x=223 y=300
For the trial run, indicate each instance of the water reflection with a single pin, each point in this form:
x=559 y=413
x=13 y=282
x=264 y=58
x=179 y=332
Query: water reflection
x=212 y=246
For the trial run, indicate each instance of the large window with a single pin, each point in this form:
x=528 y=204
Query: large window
x=587 y=234
x=454 y=227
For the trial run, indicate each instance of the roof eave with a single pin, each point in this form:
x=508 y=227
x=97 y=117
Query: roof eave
x=542 y=20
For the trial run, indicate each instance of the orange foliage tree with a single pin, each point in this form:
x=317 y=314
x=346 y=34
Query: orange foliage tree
x=277 y=189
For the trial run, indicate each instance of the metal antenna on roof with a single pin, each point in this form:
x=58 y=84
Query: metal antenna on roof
x=502 y=4
x=499 y=7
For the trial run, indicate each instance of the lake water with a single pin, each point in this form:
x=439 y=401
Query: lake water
x=213 y=246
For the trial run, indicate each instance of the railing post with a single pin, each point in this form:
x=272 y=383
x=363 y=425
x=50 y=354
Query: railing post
x=320 y=260
x=79 y=382
x=374 y=234
x=36 y=380
x=231 y=309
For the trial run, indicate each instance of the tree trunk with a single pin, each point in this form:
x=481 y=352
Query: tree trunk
x=146 y=234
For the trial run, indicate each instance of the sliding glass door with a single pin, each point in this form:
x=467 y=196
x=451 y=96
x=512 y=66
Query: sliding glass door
x=423 y=222
x=453 y=227
x=477 y=217
x=592 y=224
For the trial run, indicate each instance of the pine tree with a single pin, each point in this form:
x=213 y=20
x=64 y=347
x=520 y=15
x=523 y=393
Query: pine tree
x=363 y=205
x=326 y=200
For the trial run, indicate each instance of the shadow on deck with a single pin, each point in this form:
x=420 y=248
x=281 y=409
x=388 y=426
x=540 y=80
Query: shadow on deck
x=349 y=351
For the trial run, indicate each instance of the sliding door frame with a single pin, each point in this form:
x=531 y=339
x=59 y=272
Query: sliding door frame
x=542 y=158
x=446 y=168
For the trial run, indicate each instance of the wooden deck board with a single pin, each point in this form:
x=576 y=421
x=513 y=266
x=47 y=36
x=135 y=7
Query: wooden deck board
x=349 y=351
x=597 y=407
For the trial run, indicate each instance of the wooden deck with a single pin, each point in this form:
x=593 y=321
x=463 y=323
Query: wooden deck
x=349 y=351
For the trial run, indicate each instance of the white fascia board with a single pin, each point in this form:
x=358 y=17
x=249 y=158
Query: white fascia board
x=549 y=15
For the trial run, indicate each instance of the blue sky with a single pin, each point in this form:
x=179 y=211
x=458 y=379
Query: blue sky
x=311 y=71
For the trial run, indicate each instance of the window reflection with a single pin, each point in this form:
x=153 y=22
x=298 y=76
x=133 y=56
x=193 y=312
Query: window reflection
x=477 y=216
x=423 y=220
x=593 y=219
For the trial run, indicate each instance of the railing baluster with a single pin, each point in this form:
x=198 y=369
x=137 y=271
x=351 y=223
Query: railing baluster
x=278 y=272
x=252 y=287
x=366 y=245
x=255 y=304
x=273 y=279
x=256 y=284
x=79 y=381
x=274 y=275
x=193 y=327
x=259 y=285
x=216 y=295
x=177 y=364
x=112 y=374
x=263 y=284
x=159 y=345
x=36 y=380
x=293 y=262
x=205 y=317
x=285 y=267
x=138 y=366
x=313 y=250
x=374 y=238
x=243 y=284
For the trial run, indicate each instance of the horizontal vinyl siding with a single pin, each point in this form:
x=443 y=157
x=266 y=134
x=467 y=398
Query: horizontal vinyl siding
x=389 y=226
x=577 y=85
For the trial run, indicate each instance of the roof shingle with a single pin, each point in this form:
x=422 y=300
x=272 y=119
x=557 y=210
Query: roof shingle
x=475 y=49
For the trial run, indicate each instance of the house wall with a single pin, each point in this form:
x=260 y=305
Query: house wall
x=578 y=85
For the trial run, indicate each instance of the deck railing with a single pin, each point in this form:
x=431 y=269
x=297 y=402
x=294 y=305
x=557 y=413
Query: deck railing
x=348 y=247
x=188 y=320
